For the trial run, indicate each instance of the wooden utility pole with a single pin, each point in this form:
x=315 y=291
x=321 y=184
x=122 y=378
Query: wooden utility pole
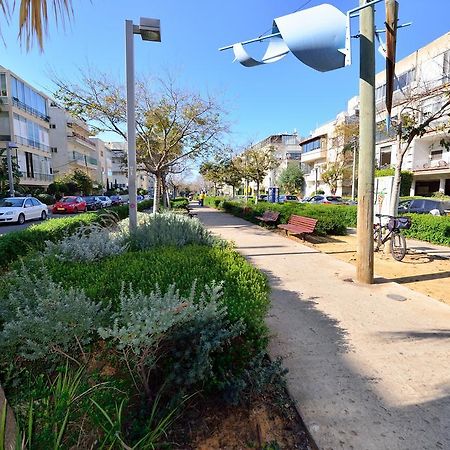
x=364 y=257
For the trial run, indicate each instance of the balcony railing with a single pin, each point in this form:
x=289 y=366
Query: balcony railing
x=83 y=160
x=37 y=177
x=31 y=143
x=82 y=138
x=441 y=164
x=29 y=109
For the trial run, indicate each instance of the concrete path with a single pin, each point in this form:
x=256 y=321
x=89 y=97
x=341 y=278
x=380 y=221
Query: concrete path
x=369 y=366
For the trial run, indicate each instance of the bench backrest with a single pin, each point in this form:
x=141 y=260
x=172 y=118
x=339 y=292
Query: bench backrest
x=271 y=215
x=305 y=222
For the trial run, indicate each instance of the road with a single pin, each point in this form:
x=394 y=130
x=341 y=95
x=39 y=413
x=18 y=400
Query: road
x=5 y=229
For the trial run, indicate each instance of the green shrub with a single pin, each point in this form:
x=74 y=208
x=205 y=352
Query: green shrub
x=426 y=227
x=20 y=243
x=332 y=219
x=40 y=319
x=167 y=229
x=179 y=202
x=245 y=289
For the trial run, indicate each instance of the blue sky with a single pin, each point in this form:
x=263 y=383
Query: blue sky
x=279 y=97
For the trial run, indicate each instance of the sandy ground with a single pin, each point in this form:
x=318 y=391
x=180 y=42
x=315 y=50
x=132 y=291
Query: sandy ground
x=424 y=273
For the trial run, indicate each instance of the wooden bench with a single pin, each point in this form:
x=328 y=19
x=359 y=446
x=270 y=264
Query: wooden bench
x=299 y=225
x=269 y=216
x=190 y=211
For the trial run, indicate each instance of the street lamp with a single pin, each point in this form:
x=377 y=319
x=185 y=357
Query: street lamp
x=150 y=30
x=9 y=146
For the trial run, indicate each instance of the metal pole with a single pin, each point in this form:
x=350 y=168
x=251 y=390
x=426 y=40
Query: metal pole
x=364 y=256
x=316 y=169
x=10 y=170
x=131 y=125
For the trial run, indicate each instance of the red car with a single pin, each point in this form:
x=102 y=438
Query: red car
x=70 y=205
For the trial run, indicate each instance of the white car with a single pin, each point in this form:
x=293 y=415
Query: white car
x=20 y=209
x=106 y=201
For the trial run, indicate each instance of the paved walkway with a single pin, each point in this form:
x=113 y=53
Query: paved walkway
x=369 y=366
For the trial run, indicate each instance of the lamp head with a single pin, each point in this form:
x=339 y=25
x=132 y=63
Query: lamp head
x=150 y=29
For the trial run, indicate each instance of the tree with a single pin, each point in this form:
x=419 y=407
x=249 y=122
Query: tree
x=257 y=162
x=212 y=172
x=4 y=178
x=172 y=125
x=335 y=172
x=231 y=175
x=291 y=179
x=33 y=17
x=414 y=123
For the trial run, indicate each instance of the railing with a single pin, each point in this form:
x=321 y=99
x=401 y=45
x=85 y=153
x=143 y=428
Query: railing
x=37 y=176
x=83 y=159
x=441 y=164
x=31 y=143
x=29 y=109
x=82 y=138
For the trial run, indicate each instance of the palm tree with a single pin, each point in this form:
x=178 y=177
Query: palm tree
x=34 y=16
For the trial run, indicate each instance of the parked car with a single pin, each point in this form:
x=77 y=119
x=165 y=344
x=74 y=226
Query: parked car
x=263 y=197
x=20 y=209
x=69 y=205
x=106 y=201
x=116 y=200
x=93 y=202
x=327 y=199
x=305 y=199
x=287 y=198
x=422 y=206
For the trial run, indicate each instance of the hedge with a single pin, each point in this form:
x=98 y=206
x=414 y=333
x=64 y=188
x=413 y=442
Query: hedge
x=245 y=288
x=429 y=228
x=332 y=219
x=405 y=180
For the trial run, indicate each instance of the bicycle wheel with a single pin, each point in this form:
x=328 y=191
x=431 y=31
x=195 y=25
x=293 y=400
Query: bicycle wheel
x=377 y=237
x=398 y=246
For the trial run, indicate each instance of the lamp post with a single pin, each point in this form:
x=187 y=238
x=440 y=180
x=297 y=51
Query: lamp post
x=150 y=30
x=316 y=170
x=9 y=146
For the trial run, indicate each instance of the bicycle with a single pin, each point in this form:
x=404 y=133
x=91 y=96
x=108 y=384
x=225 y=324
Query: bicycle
x=391 y=231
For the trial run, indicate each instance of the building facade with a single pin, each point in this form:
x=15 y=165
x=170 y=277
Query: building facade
x=71 y=145
x=25 y=124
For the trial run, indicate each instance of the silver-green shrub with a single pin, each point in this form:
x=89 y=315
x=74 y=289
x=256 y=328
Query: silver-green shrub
x=89 y=243
x=145 y=321
x=40 y=319
x=168 y=229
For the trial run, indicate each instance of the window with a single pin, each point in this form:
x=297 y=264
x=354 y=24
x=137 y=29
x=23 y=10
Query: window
x=28 y=203
x=52 y=125
x=436 y=155
x=35 y=202
x=311 y=145
x=289 y=140
x=385 y=156
x=27 y=98
x=404 y=79
x=54 y=149
x=294 y=155
x=380 y=93
x=3 y=84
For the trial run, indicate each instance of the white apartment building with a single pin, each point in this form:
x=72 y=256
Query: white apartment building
x=24 y=122
x=119 y=170
x=104 y=166
x=71 y=145
x=286 y=147
x=422 y=79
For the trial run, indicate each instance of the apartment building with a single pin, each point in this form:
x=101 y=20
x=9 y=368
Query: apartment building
x=421 y=87
x=119 y=170
x=104 y=166
x=286 y=147
x=71 y=145
x=24 y=123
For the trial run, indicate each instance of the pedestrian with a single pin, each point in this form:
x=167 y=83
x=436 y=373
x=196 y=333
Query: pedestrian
x=201 y=198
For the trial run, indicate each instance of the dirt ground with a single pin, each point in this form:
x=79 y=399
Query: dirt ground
x=264 y=424
x=424 y=273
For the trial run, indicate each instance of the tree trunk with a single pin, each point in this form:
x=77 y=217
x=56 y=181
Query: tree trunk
x=257 y=192
x=233 y=191
x=156 y=193
x=395 y=194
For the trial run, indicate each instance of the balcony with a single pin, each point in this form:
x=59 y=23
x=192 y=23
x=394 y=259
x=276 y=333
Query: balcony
x=40 y=178
x=30 y=143
x=82 y=139
x=17 y=103
x=83 y=160
x=314 y=155
x=442 y=164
